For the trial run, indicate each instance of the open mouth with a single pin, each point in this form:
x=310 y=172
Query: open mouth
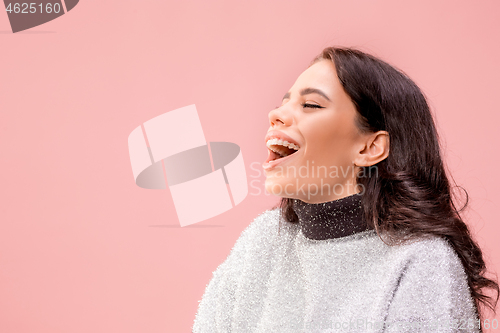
x=280 y=148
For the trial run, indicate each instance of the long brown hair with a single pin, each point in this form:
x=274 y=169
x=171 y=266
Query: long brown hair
x=411 y=194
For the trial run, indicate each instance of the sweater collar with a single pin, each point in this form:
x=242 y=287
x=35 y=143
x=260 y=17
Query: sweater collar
x=332 y=219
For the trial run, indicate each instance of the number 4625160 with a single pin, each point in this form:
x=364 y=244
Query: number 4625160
x=25 y=8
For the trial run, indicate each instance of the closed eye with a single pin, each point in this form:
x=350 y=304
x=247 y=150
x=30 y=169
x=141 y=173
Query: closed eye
x=314 y=106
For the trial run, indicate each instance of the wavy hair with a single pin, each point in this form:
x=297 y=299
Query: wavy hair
x=411 y=194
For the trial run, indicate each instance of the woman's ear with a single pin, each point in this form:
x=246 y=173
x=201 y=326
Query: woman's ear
x=375 y=148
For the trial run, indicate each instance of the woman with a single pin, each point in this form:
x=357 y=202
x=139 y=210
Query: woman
x=366 y=237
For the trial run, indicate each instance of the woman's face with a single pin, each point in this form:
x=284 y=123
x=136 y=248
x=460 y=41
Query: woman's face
x=319 y=116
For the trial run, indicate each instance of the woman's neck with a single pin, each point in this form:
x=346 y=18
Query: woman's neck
x=332 y=219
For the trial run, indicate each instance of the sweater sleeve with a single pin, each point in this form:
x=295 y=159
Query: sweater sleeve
x=216 y=306
x=432 y=294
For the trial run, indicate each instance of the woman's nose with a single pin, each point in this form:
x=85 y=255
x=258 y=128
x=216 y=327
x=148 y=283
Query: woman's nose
x=279 y=116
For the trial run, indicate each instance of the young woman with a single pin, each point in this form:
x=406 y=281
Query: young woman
x=366 y=237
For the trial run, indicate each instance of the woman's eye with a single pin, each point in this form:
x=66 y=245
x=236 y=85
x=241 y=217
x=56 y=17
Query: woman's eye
x=315 y=106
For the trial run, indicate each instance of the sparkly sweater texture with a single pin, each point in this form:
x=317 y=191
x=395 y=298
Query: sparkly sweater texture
x=331 y=273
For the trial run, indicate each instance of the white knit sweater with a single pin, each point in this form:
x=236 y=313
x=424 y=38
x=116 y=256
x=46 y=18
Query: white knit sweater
x=281 y=281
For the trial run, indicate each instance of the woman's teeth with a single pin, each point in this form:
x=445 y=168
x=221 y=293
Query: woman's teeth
x=278 y=146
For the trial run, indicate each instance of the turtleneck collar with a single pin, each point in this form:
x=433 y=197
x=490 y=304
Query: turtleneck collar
x=332 y=219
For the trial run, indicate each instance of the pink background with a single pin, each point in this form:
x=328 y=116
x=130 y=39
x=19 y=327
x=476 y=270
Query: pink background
x=83 y=249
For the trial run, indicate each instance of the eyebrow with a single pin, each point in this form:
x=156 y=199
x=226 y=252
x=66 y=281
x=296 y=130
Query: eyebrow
x=306 y=91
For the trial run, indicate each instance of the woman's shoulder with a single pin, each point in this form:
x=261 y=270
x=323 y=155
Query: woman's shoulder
x=431 y=248
x=266 y=230
x=264 y=221
x=258 y=237
x=432 y=255
x=431 y=284
x=264 y=227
